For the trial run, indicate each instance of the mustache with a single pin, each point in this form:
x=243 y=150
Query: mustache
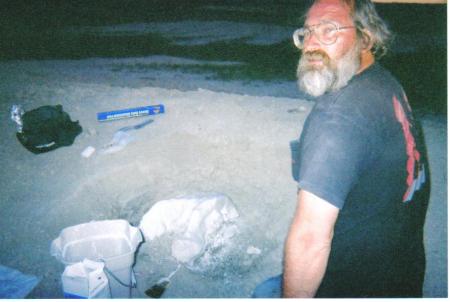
x=316 y=55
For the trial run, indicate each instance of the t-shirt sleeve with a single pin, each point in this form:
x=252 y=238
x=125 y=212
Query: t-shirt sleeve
x=333 y=150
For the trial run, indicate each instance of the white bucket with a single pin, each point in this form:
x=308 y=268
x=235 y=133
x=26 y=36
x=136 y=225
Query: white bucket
x=113 y=242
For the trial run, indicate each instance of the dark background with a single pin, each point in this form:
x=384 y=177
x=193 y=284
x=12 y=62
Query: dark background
x=33 y=30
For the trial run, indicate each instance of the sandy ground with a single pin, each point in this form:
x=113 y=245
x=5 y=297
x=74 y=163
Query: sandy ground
x=206 y=141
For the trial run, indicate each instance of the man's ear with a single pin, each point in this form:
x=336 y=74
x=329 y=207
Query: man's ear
x=367 y=40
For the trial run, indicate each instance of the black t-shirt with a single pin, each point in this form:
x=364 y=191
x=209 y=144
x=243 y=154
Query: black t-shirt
x=361 y=150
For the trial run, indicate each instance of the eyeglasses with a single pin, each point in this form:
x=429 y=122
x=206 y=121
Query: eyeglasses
x=325 y=32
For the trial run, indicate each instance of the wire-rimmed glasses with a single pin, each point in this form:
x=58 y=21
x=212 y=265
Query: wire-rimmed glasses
x=325 y=32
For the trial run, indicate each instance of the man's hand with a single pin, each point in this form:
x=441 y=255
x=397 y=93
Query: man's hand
x=308 y=246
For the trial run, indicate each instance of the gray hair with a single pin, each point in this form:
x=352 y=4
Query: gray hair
x=366 y=19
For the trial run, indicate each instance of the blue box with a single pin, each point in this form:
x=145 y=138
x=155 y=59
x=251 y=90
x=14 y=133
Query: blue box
x=130 y=112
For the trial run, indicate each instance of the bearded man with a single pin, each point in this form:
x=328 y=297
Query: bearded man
x=358 y=227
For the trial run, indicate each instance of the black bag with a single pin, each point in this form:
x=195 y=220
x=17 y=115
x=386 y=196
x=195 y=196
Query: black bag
x=47 y=128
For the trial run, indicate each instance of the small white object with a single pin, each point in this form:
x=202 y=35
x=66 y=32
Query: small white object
x=85 y=279
x=88 y=152
x=120 y=140
x=253 y=250
x=16 y=115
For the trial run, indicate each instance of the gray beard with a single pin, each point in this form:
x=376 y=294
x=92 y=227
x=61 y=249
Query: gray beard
x=330 y=77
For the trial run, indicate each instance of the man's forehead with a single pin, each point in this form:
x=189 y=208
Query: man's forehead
x=329 y=10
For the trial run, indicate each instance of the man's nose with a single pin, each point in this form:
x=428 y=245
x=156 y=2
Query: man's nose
x=311 y=42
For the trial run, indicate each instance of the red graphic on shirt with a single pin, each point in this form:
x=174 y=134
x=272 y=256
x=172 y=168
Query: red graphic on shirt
x=411 y=150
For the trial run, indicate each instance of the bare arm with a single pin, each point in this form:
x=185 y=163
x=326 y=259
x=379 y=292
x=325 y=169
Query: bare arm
x=308 y=245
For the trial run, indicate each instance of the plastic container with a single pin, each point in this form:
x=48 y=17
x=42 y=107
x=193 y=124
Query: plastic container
x=113 y=242
x=85 y=280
